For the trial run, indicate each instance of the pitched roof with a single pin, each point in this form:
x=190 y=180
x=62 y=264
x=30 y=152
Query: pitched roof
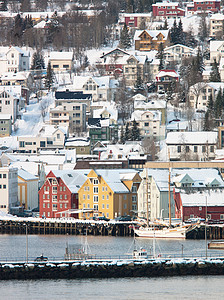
x=152 y=33
x=192 y=138
x=26 y=175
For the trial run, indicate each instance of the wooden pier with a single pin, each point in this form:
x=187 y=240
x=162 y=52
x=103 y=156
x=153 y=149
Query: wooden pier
x=46 y=227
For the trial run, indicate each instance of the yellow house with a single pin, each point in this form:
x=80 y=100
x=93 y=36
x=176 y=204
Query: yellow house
x=27 y=189
x=109 y=193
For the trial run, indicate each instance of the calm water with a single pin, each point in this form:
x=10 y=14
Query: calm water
x=190 y=287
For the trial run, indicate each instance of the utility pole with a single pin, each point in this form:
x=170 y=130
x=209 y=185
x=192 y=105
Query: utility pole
x=206 y=215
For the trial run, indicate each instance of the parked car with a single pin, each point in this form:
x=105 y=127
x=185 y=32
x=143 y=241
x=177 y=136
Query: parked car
x=123 y=218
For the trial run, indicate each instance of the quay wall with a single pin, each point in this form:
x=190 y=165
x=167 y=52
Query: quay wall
x=56 y=226
x=111 y=269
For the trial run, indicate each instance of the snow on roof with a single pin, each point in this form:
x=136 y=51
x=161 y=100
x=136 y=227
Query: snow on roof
x=74 y=179
x=182 y=125
x=178 y=45
x=41 y=24
x=215 y=45
x=26 y=175
x=5 y=116
x=152 y=33
x=77 y=143
x=213 y=198
x=170 y=73
x=153 y=104
x=193 y=138
x=29 y=166
x=17 y=76
x=48 y=130
x=110 y=108
x=14 y=90
x=217 y=16
x=216 y=85
x=56 y=55
x=166 y=4
x=138 y=114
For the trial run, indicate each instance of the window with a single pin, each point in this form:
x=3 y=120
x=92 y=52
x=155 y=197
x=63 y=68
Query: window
x=43 y=205
x=134 y=199
x=125 y=206
x=146 y=124
x=64 y=188
x=43 y=196
x=203 y=149
x=211 y=148
x=48 y=205
x=103 y=197
x=103 y=189
x=60 y=188
x=54 y=189
x=4 y=186
x=54 y=197
x=84 y=197
x=221 y=216
x=60 y=205
x=66 y=205
x=66 y=66
x=107 y=206
x=179 y=149
x=60 y=197
x=95 y=190
x=88 y=197
x=95 y=181
x=55 y=207
x=125 y=197
x=187 y=149
x=107 y=197
x=4 y=175
x=95 y=198
x=95 y=206
x=84 y=206
x=134 y=189
x=103 y=206
x=195 y=149
x=55 y=66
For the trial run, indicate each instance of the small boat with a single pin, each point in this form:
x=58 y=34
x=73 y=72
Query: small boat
x=140 y=254
x=169 y=233
x=218 y=245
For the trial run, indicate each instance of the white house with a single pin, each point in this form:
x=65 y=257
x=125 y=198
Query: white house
x=8 y=188
x=177 y=53
x=13 y=59
x=198 y=145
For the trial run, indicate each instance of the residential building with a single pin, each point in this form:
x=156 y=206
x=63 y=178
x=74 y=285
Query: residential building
x=13 y=59
x=192 y=145
x=177 y=52
x=49 y=137
x=135 y=20
x=217 y=25
x=27 y=189
x=167 y=10
x=102 y=88
x=216 y=50
x=154 y=192
x=8 y=188
x=128 y=64
x=200 y=93
x=207 y=204
x=166 y=80
x=81 y=145
x=149 y=123
x=61 y=61
x=202 y=6
x=9 y=103
x=5 y=125
x=153 y=105
x=147 y=40
x=58 y=197
x=64 y=97
x=110 y=193
x=102 y=130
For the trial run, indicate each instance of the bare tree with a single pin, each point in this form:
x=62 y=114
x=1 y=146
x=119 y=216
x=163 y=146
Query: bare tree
x=149 y=147
x=44 y=108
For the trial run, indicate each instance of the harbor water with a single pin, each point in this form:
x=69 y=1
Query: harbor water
x=13 y=247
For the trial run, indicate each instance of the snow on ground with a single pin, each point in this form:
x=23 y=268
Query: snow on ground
x=32 y=121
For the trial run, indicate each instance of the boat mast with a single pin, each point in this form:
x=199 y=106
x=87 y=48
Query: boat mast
x=147 y=197
x=169 y=191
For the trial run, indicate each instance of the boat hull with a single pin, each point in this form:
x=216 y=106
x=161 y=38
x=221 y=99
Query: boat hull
x=172 y=233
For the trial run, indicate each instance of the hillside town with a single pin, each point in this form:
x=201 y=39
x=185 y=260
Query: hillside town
x=112 y=109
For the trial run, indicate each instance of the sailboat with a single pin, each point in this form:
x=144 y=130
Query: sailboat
x=154 y=231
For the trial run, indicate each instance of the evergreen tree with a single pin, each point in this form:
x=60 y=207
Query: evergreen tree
x=139 y=7
x=215 y=75
x=206 y=126
x=3 y=6
x=49 y=79
x=38 y=61
x=218 y=105
x=53 y=28
x=165 y=25
x=25 y=6
x=160 y=56
x=173 y=32
x=127 y=132
x=210 y=103
x=130 y=6
x=135 y=132
x=125 y=39
x=179 y=34
x=86 y=61
x=122 y=139
x=189 y=39
x=139 y=84
x=203 y=28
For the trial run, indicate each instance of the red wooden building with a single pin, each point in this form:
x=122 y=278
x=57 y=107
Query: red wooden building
x=59 y=194
x=195 y=205
x=167 y=10
x=201 y=6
